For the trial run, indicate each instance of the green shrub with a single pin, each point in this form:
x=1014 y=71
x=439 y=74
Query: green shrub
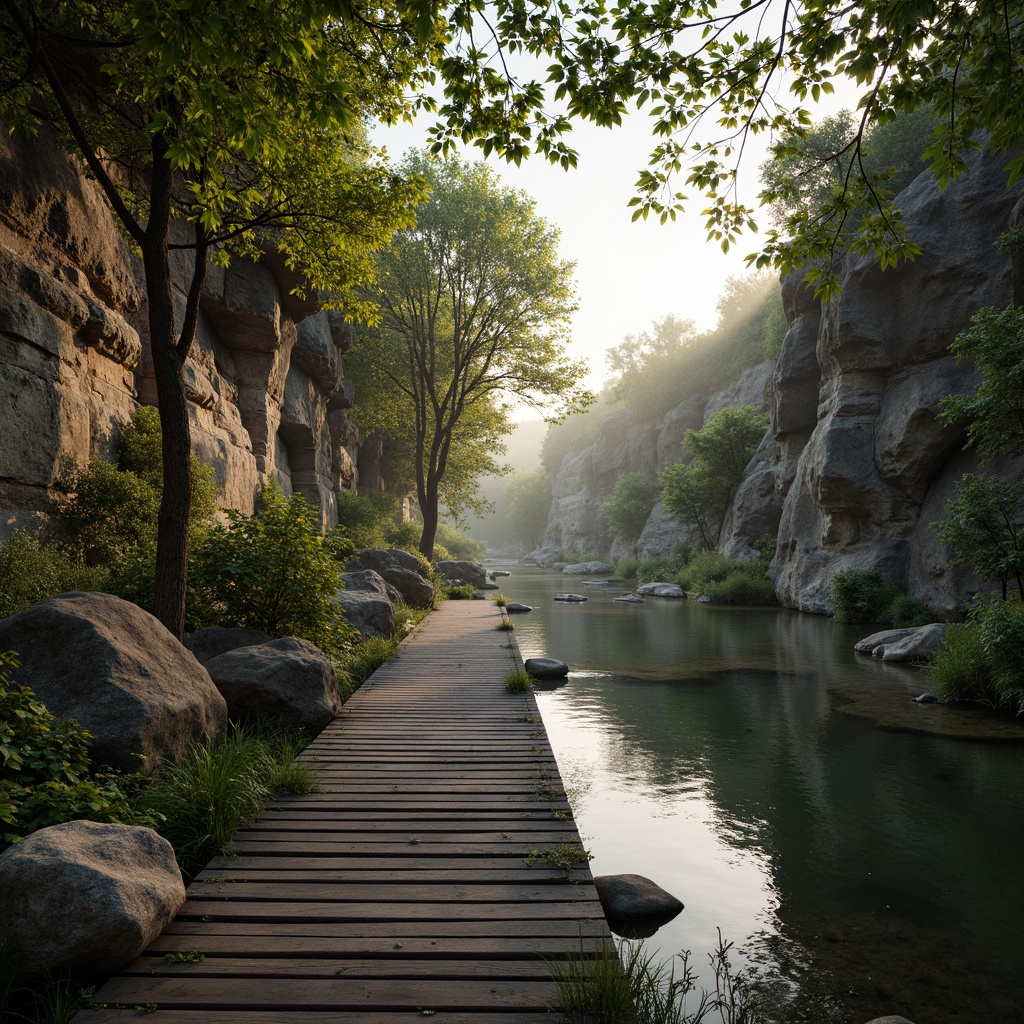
x=274 y=571
x=112 y=507
x=463 y=592
x=866 y=595
x=904 y=611
x=982 y=660
x=506 y=624
x=660 y=570
x=403 y=535
x=627 y=568
x=500 y=600
x=46 y=775
x=727 y=580
x=627 y=509
x=861 y=595
x=364 y=518
x=31 y=571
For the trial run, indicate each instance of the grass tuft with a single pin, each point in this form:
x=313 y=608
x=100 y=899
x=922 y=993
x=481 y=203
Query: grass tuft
x=518 y=681
x=506 y=625
x=500 y=600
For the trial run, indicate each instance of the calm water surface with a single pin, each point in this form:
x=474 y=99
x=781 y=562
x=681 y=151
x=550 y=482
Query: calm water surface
x=878 y=871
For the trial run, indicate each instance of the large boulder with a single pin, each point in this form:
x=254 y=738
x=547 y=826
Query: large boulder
x=212 y=641
x=415 y=590
x=919 y=643
x=463 y=572
x=546 y=668
x=288 y=683
x=86 y=897
x=366 y=603
x=380 y=559
x=117 y=671
x=634 y=898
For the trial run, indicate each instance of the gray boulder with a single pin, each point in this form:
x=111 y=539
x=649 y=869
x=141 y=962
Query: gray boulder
x=366 y=603
x=543 y=555
x=380 y=559
x=672 y=590
x=634 y=898
x=546 y=668
x=515 y=608
x=288 y=683
x=890 y=1019
x=415 y=590
x=917 y=643
x=462 y=572
x=212 y=641
x=86 y=897
x=589 y=569
x=117 y=671
x=569 y=598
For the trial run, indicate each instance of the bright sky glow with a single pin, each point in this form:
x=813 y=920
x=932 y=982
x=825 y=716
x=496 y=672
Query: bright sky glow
x=628 y=274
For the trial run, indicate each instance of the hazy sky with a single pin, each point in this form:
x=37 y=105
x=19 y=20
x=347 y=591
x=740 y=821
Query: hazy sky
x=628 y=274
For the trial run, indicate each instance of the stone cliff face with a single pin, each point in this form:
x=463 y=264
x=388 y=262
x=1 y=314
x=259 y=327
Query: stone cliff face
x=587 y=478
x=861 y=461
x=265 y=382
x=857 y=464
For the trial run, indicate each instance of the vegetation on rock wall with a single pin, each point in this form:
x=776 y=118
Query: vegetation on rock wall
x=700 y=492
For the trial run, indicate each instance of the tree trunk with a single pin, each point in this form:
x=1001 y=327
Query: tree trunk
x=172 y=523
x=428 y=508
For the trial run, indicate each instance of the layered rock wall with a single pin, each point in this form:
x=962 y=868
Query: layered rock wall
x=265 y=381
x=857 y=464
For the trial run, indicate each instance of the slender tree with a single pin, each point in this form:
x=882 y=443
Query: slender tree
x=474 y=306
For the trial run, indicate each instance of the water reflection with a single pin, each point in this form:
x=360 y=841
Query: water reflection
x=705 y=748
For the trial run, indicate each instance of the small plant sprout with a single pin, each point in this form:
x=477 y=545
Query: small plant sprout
x=518 y=681
x=500 y=600
x=506 y=624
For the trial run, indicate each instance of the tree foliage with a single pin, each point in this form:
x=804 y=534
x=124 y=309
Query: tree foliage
x=474 y=308
x=243 y=121
x=527 y=503
x=627 y=509
x=700 y=492
x=985 y=527
x=994 y=410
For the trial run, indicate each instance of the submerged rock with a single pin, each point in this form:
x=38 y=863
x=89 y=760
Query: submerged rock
x=515 y=608
x=569 y=597
x=589 y=569
x=629 y=599
x=672 y=590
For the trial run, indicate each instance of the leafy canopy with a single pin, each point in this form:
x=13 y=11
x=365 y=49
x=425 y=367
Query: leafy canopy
x=628 y=507
x=474 y=310
x=699 y=493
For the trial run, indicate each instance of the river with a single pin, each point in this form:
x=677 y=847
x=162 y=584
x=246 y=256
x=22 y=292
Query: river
x=750 y=763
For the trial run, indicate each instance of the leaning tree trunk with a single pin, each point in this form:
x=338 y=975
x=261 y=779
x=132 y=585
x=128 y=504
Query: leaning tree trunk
x=173 y=522
x=429 y=511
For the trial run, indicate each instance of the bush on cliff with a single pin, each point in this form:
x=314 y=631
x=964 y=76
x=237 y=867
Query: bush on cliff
x=867 y=595
x=32 y=570
x=727 y=580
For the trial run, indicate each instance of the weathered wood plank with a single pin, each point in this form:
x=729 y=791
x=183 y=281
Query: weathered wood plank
x=400 y=886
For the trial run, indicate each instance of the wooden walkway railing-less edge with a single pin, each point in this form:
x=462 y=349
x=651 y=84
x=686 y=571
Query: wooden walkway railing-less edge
x=399 y=889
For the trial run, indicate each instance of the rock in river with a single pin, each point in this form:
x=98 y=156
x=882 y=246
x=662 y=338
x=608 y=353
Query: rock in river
x=546 y=668
x=634 y=898
x=515 y=608
x=661 y=590
x=569 y=597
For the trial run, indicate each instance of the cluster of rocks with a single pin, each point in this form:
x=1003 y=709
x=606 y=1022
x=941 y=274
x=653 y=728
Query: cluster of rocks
x=377 y=580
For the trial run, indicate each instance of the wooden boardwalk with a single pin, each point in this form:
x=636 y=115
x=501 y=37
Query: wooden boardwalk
x=400 y=889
